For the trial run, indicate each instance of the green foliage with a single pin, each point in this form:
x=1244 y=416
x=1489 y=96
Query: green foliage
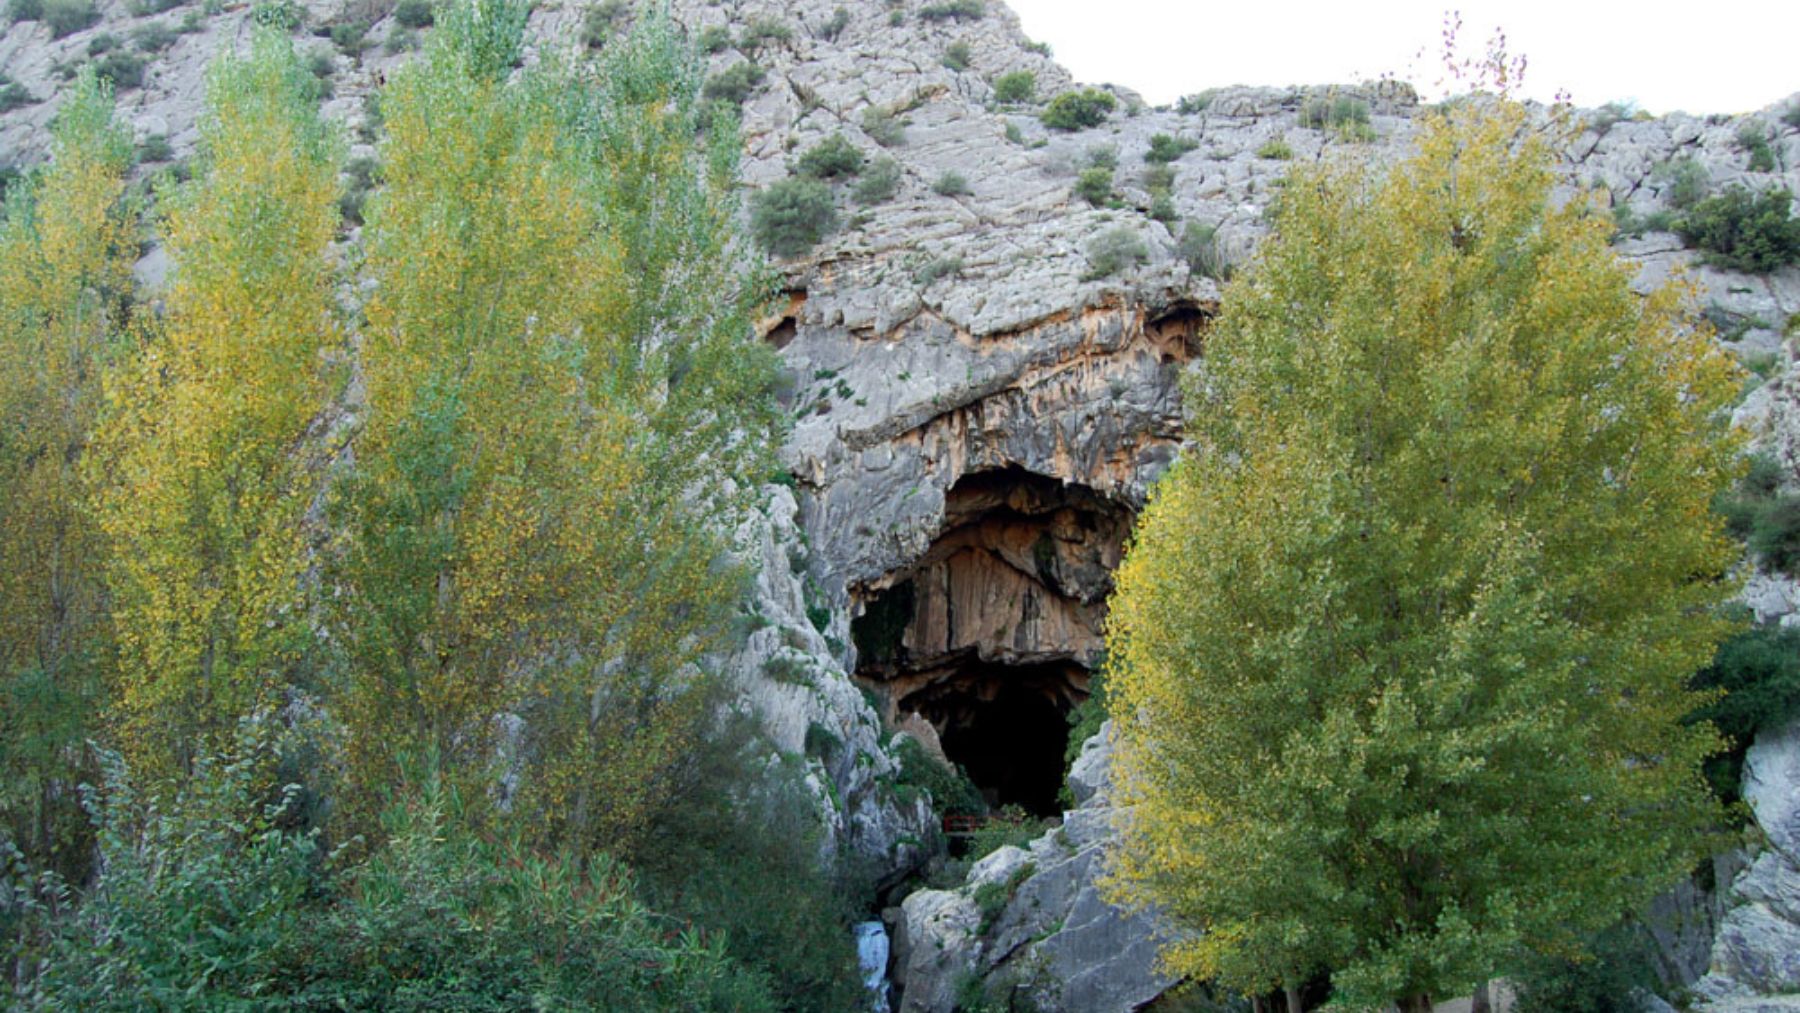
x=24 y=10
x=714 y=39
x=1321 y=112
x=155 y=148
x=1276 y=148
x=124 y=70
x=362 y=172
x=14 y=95
x=1791 y=116
x=879 y=181
x=154 y=37
x=1086 y=718
x=1095 y=185
x=1159 y=178
x=350 y=37
x=840 y=20
x=1682 y=182
x=957 y=56
x=937 y=267
x=1744 y=230
x=66 y=17
x=602 y=21
x=67 y=241
x=101 y=43
x=1759 y=670
x=763 y=31
x=281 y=15
x=734 y=84
x=791 y=216
x=951 y=10
x=1612 y=972
x=564 y=394
x=951 y=791
x=1164 y=148
x=1077 y=110
x=951 y=184
x=1193 y=105
x=1753 y=138
x=1103 y=156
x=883 y=127
x=1015 y=87
x=1199 y=246
x=414 y=14
x=1398 y=657
x=833 y=158
x=1117 y=249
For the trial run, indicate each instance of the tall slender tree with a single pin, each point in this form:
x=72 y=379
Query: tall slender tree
x=66 y=246
x=1399 y=649
x=205 y=485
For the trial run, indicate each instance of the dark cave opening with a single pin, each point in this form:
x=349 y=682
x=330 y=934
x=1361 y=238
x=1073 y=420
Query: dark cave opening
x=983 y=645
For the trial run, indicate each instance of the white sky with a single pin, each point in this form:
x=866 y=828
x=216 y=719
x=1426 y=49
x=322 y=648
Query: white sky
x=1699 y=56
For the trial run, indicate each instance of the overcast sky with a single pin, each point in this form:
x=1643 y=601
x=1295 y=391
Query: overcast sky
x=1700 y=56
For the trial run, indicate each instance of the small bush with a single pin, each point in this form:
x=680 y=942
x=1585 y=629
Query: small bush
x=1618 y=965
x=105 y=42
x=1753 y=137
x=191 y=23
x=951 y=791
x=1162 y=208
x=154 y=148
x=1095 y=185
x=24 y=10
x=1791 y=116
x=883 y=127
x=957 y=56
x=879 y=181
x=1165 y=149
x=1014 y=134
x=1199 y=246
x=1683 y=182
x=733 y=84
x=320 y=63
x=1159 y=177
x=714 y=39
x=1077 y=110
x=1320 y=112
x=14 y=95
x=832 y=158
x=154 y=37
x=351 y=37
x=1015 y=87
x=414 y=14
x=1117 y=249
x=1759 y=670
x=1103 y=156
x=66 y=17
x=1745 y=231
x=124 y=70
x=284 y=15
x=602 y=21
x=951 y=184
x=790 y=217
x=399 y=40
x=1193 y=105
x=940 y=267
x=1275 y=148
x=145 y=8
x=356 y=192
x=764 y=31
x=952 y=9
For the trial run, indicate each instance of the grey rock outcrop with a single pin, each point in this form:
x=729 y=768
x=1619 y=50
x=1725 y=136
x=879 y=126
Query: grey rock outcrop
x=1756 y=953
x=1034 y=919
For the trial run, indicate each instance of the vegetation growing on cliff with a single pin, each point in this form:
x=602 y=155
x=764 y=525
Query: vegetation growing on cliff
x=1399 y=654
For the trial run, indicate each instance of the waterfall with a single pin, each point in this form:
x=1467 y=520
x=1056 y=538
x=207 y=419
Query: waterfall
x=872 y=956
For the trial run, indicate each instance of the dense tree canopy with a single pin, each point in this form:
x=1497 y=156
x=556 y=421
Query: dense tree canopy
x=1399 y=648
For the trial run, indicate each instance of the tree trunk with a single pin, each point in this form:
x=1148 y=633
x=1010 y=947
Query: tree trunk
x=1293 y=998
x=1418 y=1002
x=1256 y=1004
x=1482 y=1002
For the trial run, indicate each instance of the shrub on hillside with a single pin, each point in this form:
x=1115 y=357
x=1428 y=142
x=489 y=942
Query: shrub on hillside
x=1759 y=670
x=791 y=216
x=957 y=56
x=952 y=9
x=1095 y=185
x=24 y=10
x=66 y=17
x=414 y=13
x=124 y=70
x=1744 y=230
x=1015 y=87
x=1199 y=246
x=951 y=184
x=1164 y=149
x=883 y=127
x=951 y=791
x=879 y=181
x=1275 y=148
x=1077 y=110
x=832 y=158
x=733 y=84
x=1117 y=249
x=13 y=95
x=1320 y=112
x=1683 y=182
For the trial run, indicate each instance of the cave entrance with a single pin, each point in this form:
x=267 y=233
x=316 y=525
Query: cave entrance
x=982 y=646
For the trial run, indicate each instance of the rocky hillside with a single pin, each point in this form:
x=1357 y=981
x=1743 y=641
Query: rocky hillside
x=984 y=354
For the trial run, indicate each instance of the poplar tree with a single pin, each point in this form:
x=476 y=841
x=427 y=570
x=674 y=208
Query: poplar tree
x=1400 y=645
x=66 y=247
x=205 y=485
x=565 y=406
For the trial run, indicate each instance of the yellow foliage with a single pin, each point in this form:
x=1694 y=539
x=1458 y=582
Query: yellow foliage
x=205 y=484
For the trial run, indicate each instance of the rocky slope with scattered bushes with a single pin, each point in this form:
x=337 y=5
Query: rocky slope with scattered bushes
x=990 y=270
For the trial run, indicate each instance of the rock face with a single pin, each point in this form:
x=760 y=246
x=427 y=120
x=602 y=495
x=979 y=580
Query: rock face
x=981 y=404
x=1756 y=953
x=1033 y=921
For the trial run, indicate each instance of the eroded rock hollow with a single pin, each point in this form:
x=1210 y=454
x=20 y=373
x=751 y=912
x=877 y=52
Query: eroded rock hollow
x=992 y=635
